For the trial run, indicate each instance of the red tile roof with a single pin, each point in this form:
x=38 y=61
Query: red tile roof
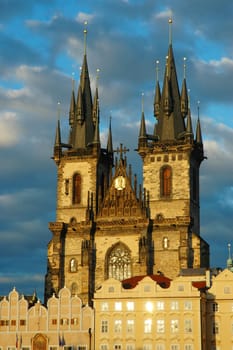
x=132 y=282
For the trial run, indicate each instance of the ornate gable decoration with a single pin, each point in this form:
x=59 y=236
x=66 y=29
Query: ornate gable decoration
x=121 y=198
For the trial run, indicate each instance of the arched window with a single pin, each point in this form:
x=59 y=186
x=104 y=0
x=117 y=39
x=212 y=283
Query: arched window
x=73 y=265
x=119 y=263
x=166 y=181
x=165 y=242
x=76 y=188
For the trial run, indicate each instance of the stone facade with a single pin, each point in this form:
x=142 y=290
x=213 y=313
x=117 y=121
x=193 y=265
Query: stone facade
x=65 y=323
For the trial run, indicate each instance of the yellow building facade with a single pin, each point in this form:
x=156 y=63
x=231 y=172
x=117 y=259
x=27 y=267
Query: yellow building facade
x=65 y=323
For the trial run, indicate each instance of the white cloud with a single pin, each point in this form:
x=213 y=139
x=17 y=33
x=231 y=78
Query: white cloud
x=10 y=130
x=83 y=16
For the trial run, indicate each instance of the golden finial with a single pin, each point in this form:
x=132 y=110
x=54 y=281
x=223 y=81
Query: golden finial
x=142 y=102
x=185 y=59
x=170 y=30
x=157 y=70
x=85 y=37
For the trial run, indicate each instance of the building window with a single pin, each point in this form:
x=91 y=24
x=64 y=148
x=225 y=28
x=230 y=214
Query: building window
x=130 y=347
x=174 y=326
x=117 y=346
x=174 y=305
x=160 y=347
x=82 y=347
x=54 y=321
x=130 y=305
x=149 y=306
x=119 y=263
x=130 y=326
x=166 y=181
x=160 y=305
x=22 y=322
x=74 y=321
x=67 y=187
x=227 y=290
x=165 y=243
x=215 y=307
x=147 y=347
x=104 y=306
x=188 y=326
x=13 y=322
x=104 y=326
x=215 y=328
x=160 y=326
x=118 y=306
x=117 y=326
x=188 y=305
x=188 y=347
x=77 y=188
x=175 y=347
x=103 y=346
x=73 y=265
x=180 y=288
x=148 y=325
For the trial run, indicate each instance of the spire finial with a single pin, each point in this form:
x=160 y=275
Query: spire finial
x=185 y=59
x=198 y=109
x=85 y=37
x=142 y=102
x=97 y=77
x=58 y=110
x=157 y=70
x=170 y=30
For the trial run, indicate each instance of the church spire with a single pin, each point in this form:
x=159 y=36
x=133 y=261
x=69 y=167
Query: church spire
x=157 y=98
x=95 y=110
x=171 y=124
x=142 y=139
x=109 y=143
x=82 y=124
x=184 y=94
x=198 y=129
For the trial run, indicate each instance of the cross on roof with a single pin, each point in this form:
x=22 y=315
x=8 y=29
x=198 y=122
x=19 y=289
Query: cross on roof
x=121 y=150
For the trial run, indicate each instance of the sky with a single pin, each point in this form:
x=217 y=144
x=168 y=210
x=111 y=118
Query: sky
x=42 y=48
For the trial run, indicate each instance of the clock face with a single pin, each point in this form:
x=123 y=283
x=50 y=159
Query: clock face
x=119 y=183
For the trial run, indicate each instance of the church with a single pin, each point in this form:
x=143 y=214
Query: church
x=108 y=226
x=127 y=267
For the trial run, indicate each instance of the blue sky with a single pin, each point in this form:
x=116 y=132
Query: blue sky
x=42 y=45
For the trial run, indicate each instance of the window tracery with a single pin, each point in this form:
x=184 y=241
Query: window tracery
x=119 y=263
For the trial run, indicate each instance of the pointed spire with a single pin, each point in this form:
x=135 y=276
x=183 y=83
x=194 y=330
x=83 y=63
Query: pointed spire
x=167 y=100
x=109 y=143
x=79 y=106
x=184 y=95
x=96 y=140
x=142 y=133
x=198 y=129
x=170 y=30
x=72 y=104
x=157 y=98
x=170 y=124
x=189 y=127
x=57 y=150
x=95 y=110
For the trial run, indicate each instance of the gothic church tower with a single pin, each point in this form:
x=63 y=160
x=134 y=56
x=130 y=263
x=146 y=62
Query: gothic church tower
x=106 y=225
x=171 y=161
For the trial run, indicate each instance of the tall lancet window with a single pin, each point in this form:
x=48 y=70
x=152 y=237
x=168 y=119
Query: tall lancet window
x=166 y=181
x=77 y=181
x=119 y=262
